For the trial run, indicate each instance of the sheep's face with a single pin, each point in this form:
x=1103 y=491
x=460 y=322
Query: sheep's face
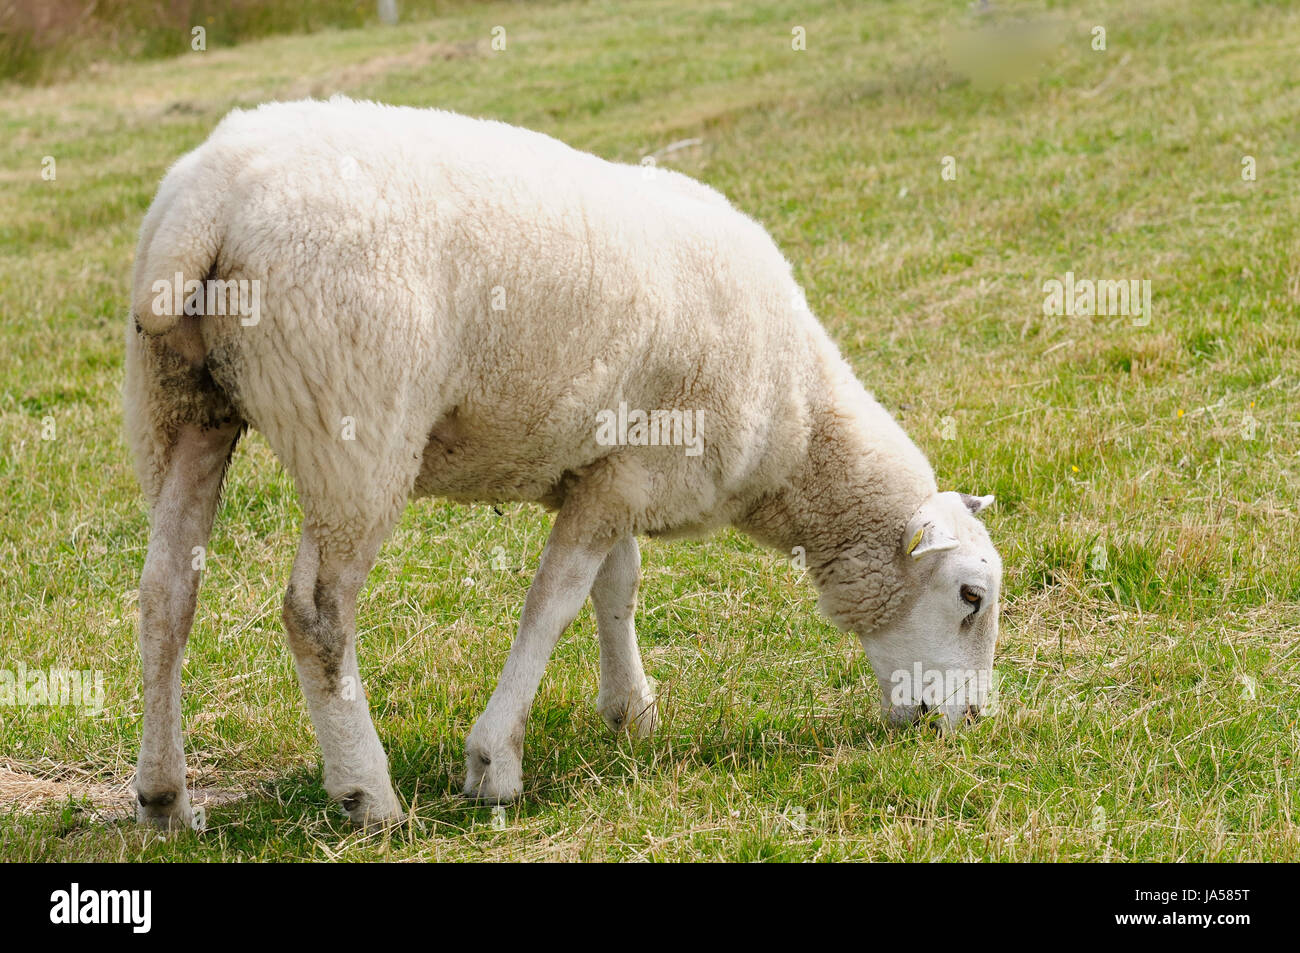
x=934 y=660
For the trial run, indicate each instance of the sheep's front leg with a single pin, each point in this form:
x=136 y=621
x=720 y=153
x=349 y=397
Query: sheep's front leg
x=495 y=746
x=320 y=622
x=626 y=701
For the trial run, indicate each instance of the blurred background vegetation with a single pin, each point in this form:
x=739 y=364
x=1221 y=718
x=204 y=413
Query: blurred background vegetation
x=45 y=40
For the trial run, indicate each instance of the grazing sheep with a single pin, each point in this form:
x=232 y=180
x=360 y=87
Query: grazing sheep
x=453 y=307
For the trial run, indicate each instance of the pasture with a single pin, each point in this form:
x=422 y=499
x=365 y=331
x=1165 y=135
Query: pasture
x=1144 y=466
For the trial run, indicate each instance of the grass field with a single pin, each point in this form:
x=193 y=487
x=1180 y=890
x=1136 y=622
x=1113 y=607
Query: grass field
x=1146 y=474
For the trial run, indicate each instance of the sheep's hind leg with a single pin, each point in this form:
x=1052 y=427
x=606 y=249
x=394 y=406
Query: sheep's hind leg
x=182 y=505
x=494 y=748
x=320 y=622
x=626 y=701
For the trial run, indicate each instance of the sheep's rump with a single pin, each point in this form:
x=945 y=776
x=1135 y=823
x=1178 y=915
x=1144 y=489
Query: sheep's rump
x=471 y=296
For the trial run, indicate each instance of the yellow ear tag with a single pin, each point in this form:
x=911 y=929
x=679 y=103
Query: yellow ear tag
x=916 y=541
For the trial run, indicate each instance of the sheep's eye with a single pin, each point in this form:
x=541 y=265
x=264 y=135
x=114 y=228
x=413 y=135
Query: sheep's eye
x=971 y=596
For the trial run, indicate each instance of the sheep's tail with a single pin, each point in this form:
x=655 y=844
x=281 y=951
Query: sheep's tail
x=179 y=243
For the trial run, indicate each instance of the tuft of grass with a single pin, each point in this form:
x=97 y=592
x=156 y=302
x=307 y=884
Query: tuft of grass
x=1146 y=475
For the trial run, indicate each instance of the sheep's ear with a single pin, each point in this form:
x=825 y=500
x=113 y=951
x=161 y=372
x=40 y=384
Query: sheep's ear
x=976 y=503
x=927 y=532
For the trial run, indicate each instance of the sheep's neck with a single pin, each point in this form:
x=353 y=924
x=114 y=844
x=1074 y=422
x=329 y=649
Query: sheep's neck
x=845 y=508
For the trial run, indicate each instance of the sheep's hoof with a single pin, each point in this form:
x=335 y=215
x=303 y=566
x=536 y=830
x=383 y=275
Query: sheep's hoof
x=492 y=779
x=164 y=810
x=638 y=718
x=372 y=812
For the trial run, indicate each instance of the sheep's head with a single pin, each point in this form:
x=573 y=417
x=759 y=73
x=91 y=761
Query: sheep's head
x=936 y=653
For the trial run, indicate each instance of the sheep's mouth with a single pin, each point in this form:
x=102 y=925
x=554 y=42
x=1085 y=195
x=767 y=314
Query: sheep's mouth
x=934 y=717
x=937 y=724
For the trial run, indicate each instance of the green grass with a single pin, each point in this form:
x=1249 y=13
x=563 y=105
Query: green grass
x=47 y=40
x=1150 y=682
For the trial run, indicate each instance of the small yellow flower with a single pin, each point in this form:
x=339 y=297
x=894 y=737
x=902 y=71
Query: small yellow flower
x=1180 y=411
x=1074 y=468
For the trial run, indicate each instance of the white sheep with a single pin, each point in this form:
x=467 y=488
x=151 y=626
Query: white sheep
x=430 y=304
